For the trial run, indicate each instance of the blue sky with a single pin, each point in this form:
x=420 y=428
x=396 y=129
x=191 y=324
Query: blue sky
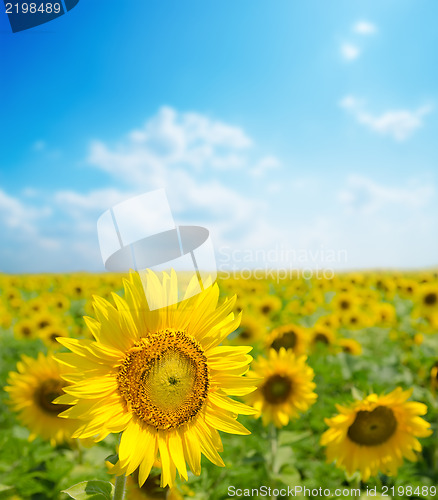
x=298 y=126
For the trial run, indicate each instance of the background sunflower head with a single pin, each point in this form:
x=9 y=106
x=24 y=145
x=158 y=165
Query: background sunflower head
x=286 y=387
x=376 y=434
x=32 y=390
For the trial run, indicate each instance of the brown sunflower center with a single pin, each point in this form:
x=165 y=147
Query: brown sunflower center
x=288 y=340
x=246 y=333
x=26 y=331
x=164 y=378
x=277 y=389
x=371 y=428
x=266 y=308
x=344 y=304
x=430 y=299
x=321 y=338
x=46 y=392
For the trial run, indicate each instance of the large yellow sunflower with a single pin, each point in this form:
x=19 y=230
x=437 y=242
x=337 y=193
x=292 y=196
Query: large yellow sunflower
x=32 y=390
x=159 y=376
x=375 y=434
x=286 y=389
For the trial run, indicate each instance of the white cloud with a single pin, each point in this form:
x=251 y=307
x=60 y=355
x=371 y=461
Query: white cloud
x=366 y=196
x=190 y=156
x=17 y=215
x=172 y=140
x=399 y=124
x=214 y=178
x=265 y=165
x=365 y=28
x=349 y=51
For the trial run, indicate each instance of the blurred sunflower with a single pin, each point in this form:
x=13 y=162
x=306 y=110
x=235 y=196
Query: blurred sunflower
x=344 y=302
x=159 y=376
x=434 y=377
x=59 y=302
x=268 y=305
x=5 y=317
x=286 y=389
x=322 y=335
x=355 y=319
x=386 y=314
x=288 y=336
x=250 y=332
x=375 y=434
x=24 y=329
x=44 y=319
x=350 y=346
x=32 y=391
x=330 y=321
x=50 y=333
x=427 y=297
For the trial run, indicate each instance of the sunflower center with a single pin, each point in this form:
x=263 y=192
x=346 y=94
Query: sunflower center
x=344 y=304
x=46 y=392
x=164 y=378
x=430 y=299
x=371 y=428
x=26 y=331
x=288 y=340
x=277 y=389
x=321 y=338
x=245 y=334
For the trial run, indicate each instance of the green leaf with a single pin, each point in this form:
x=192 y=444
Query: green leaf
x=284 y=455
x=290 y=437
x=289 y=476
x=112 y=459
x=91 y=490
x=357 y=395
x=4 y=487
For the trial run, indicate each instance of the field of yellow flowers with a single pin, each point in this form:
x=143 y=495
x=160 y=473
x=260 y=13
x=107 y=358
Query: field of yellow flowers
x=340 y=394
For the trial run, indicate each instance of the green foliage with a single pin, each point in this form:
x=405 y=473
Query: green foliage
x=91 y=490
x=37 y=471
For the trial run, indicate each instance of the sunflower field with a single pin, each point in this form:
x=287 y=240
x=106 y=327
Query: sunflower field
x=268 y=387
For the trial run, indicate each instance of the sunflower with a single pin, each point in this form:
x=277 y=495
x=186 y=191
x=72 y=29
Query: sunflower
x=350 y=346
x=386 y=313
x=44 y=319
x=427 y=296
x=345 y=301
x=355 y=319
x=434 y=377
x=268 y=305
x=59 y=302
x=25 y=329
x=321 y=335
x=249 y=332
x=330 y=321
x=159 y=376
x=32 y=390
x=286 y=389
x=288 y=336
x=49 y=335
x=375 y=434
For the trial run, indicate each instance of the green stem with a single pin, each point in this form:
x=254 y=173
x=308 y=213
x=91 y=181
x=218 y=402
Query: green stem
x=379 y=484
x=274 y=446
x=358 y=482
x=119 y=489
